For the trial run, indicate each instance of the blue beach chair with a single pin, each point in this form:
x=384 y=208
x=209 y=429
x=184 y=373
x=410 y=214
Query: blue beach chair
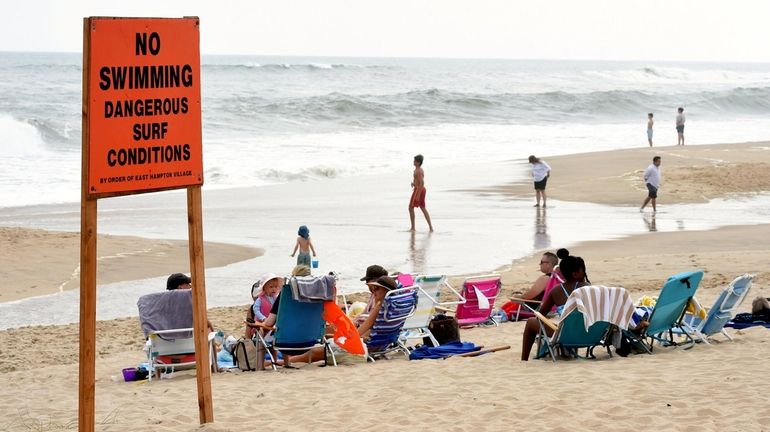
x=299 y=327
x=384 y=336
x=669 y=312
x=724 y=309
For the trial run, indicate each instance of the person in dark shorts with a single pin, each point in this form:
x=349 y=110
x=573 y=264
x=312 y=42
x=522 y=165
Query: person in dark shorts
x=652 y=180
x=680 y=126
x=540 y=173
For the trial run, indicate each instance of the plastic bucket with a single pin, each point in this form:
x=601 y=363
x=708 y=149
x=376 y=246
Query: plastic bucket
x=129 y=374
x=314 y=263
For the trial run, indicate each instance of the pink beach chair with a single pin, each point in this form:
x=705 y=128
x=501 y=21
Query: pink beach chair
x=480 y=293
x=522 y=313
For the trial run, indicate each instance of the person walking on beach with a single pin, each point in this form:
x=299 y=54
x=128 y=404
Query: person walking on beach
x=305 y=246
x=680 y=126
x=649 y=128
x=652 y=180
x=540 y=173
x=418 y=193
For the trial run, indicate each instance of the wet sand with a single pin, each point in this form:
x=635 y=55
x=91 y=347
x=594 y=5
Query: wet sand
x=40 y=262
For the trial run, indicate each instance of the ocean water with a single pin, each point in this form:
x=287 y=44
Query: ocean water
x=270 y=120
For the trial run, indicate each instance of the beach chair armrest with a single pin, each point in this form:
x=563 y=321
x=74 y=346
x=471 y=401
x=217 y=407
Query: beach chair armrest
x=443 y=309
x=523 y=300
x=262 y=326
x=460 y=298
x=548 y=323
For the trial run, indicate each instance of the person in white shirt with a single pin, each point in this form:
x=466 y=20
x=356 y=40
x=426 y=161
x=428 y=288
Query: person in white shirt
x=680 y=126
x=652 y=180
x=540 y=173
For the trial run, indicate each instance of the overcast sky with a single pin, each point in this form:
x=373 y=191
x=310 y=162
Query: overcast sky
x=678 y=30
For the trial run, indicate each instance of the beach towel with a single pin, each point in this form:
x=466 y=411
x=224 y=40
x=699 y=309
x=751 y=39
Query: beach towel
x=312 y=289
x=166 y=310
x=746 y=320
x=443 y=351
x=600 y=303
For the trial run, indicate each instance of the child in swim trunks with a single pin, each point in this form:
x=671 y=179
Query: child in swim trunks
x=305 y=246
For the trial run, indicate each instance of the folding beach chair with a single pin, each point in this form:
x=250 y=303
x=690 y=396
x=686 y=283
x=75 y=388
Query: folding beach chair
x=724 y=309
x=299 y=327
x=479 y=293
x=669 y=311
x=428 y=294
x=589 y=313
x=523 y=313
x=384 y=337
x=166 y=320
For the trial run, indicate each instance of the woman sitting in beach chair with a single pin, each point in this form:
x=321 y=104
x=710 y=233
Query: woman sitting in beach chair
x=574 y=271
x=378 y=288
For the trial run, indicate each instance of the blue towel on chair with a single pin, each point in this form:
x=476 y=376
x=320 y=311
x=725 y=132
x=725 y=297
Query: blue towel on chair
x=443 y=351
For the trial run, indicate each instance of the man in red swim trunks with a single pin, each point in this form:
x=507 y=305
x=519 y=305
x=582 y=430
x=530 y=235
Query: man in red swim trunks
x=418 y=193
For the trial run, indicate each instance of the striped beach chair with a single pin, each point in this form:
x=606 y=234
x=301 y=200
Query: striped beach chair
x=384 y=336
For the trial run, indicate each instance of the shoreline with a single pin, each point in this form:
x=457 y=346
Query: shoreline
x=127 y=258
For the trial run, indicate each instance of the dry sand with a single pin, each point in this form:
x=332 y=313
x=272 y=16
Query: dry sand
x=689 y=174
x=38 y=262
x=707 y=388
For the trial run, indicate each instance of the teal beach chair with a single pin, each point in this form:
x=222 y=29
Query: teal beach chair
x=299 y=327
x=589 y=314
x=667 y=316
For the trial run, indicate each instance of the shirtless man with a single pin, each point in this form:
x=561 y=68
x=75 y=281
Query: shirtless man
x=418 y=193
x=650 y=122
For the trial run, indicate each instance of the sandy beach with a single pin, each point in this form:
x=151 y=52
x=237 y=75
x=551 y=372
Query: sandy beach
x=711 y=388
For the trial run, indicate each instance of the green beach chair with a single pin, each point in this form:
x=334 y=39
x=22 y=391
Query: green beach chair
x=589 y=314
x=668 y=313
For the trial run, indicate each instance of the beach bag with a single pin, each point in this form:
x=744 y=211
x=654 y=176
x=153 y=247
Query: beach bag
x=245 y=355
x=445 y=329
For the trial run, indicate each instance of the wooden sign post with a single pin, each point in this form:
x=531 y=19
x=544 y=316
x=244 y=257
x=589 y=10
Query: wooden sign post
x=141 y=133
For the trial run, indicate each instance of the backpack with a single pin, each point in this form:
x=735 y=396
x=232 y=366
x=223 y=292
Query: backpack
x=245 y=355
x=444 y=329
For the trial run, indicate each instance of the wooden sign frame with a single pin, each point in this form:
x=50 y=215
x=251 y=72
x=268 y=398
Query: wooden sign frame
x=192 y=167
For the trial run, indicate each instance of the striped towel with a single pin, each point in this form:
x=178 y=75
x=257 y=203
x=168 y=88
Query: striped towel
x=601 y=303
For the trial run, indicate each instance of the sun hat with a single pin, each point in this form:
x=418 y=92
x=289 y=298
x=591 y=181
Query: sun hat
x=373 y=272
x=177 y=279
x=256 y=289
x=386 y=282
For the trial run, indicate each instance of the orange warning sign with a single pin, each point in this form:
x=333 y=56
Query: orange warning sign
x=143 y=105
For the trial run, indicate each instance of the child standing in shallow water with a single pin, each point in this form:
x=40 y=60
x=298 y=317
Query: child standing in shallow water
x=305 y=246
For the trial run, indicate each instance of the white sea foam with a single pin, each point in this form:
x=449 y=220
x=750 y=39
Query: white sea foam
x=273 y=120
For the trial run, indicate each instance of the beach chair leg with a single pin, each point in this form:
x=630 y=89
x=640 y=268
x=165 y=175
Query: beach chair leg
x=726 y=335
x=328 y=349
x=404 y=349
